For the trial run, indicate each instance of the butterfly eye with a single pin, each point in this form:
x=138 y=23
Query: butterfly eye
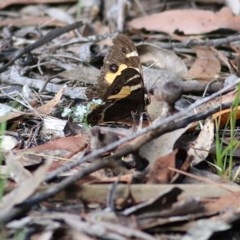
x=113 y=68
x=93 y=118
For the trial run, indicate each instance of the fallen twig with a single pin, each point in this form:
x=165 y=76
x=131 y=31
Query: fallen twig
x=195 y=42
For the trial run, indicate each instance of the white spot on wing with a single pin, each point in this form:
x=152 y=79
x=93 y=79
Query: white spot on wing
x=135 y=76
x=132 y=54
x=135 y=87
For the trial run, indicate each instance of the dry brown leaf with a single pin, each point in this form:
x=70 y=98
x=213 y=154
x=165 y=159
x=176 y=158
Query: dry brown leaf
x=157 y=109
x=189 y=21
x=161 y=146
x=49 y=106
x=12 y=116
x=160 y=172
x=15 y=168
x=205 y=228
x=66 y=147
x=154 y=77
x=171 y=216
x=162 y=59
x=53 y=127
x=24 y=190
x=224 y=115
x=201 y=147
x=207 y=66
x=63 y=147
x=224 y=99
x=44 y=109
x=228 y=202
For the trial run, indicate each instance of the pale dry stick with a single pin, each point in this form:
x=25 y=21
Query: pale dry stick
x=4 y=87
x=139 y=5
x=25 y=103
x=38 y=65
x=202 y=179
x=194 y=42
x=195 y=86
x=111 y=197
x=153 y=127
x=207 y=87
x=203 y=95
x=92 y=38
x=66 y=56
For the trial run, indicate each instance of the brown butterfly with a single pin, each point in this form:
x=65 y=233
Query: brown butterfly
x=120 y=85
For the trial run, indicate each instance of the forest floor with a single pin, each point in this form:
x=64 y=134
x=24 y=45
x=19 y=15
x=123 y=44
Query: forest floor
x=119 y=119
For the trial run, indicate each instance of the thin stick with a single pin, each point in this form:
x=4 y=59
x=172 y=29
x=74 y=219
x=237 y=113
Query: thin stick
x=194 y=42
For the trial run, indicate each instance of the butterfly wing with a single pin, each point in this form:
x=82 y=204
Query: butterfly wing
x=120 y=84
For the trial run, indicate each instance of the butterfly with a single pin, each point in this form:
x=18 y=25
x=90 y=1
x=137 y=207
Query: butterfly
x=120 y=85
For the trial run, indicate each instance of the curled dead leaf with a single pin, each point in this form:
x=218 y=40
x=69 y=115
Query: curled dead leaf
x=207 y=65
x=188 y=21
x=201 y=147
x=162 y=58
x=160 y=172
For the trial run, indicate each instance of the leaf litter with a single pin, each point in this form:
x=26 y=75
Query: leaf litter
x=151 y=179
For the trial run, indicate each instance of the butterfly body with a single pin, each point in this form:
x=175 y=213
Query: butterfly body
x=120 y=84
